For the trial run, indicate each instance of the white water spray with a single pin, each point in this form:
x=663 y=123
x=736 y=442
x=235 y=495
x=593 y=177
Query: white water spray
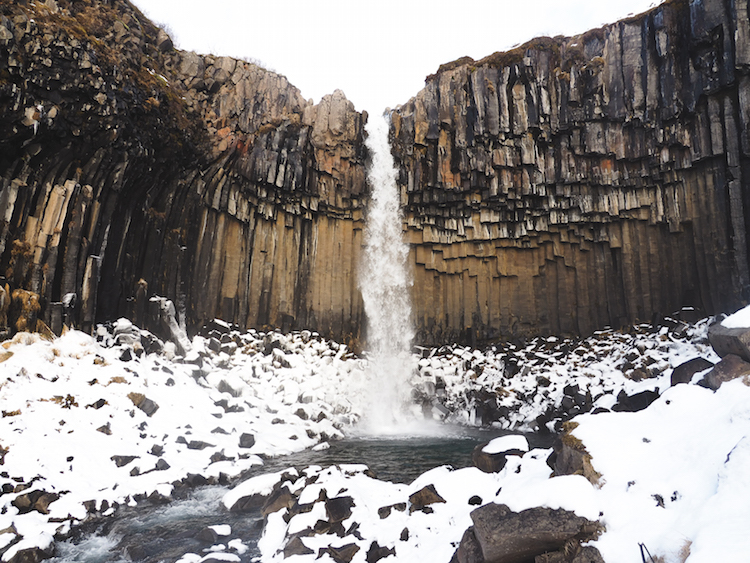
x=384 y=282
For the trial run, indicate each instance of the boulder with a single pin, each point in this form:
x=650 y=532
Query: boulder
x=505 y=536
x=727 y=341
x=492 y=456
x=730 y=367
x=685 y=371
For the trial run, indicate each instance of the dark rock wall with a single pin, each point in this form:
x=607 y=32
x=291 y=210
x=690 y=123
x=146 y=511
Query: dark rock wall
x=124 y=161
x=574 y=183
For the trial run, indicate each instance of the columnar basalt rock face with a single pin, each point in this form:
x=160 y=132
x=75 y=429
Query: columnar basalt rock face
x=574 y=183
x=125 y=163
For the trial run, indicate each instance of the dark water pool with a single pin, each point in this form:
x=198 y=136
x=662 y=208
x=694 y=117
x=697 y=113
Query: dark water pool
x=154 y=534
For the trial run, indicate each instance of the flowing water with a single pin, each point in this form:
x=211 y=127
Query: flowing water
x=384 y=282
x=165 y=533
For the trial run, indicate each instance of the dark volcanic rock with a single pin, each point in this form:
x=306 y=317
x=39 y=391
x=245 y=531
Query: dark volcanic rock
x=686 y=370
x=505 y=536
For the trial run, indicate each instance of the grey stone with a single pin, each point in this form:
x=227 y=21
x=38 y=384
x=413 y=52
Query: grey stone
x=730 y=341
x=509 y=537
x=729 y=368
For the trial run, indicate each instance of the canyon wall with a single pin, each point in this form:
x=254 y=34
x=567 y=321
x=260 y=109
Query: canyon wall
x=130 y=169
x=568 y=184
x=579 y=182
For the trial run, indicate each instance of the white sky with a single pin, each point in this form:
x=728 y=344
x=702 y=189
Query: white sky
x=377 y=52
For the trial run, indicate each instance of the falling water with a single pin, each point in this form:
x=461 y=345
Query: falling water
x=384 y=282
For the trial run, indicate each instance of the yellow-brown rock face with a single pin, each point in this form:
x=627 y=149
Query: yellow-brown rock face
x=580 y=182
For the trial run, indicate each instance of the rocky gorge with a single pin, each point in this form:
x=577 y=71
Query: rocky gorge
x=569 y=184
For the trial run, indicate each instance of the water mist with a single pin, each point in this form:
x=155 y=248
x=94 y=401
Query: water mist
x=384 y=283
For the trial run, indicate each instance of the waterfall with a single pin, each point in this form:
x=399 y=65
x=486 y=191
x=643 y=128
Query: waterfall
x=384 y=282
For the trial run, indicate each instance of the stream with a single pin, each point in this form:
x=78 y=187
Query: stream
x=154 y=534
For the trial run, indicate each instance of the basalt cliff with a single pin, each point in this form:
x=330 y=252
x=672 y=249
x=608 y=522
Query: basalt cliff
x=568 y=184
x=130 y=169
x=578 y=182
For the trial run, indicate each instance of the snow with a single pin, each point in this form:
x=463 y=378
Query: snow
x=507 y=443
x=673 y=476
x=740 y=319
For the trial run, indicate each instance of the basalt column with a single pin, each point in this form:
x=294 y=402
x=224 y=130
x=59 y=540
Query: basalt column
x=574 y=183
x=130 y=169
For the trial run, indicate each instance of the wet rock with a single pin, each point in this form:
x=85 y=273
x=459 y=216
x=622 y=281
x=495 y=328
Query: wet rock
x=207 y=535
x=685 y=371
x=730 y=367
x=423 y=498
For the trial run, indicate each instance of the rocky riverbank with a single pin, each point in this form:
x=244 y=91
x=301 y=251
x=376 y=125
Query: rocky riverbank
x=93 y=423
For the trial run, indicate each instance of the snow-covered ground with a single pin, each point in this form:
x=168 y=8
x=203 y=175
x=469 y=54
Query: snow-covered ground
x=99 y=422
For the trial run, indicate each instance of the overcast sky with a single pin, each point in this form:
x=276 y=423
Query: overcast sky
x=377 y=52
